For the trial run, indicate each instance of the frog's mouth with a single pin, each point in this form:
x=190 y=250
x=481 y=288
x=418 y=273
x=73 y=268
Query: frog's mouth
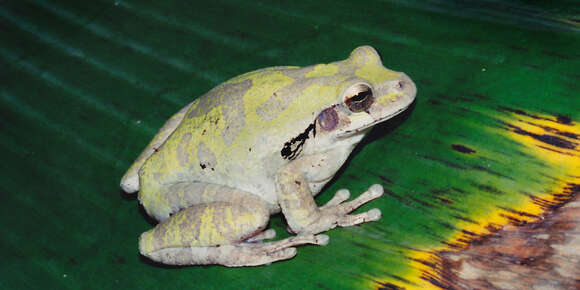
x=364 y=128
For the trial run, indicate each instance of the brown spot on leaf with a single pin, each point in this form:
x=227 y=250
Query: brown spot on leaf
x=545 y=138
x=564 y=119
x=445 y=200
x=462 y=148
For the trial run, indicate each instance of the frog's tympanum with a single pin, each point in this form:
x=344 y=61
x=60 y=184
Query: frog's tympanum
x=263 y=142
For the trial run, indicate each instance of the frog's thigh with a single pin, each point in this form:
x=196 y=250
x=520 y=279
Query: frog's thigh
x=194 y=235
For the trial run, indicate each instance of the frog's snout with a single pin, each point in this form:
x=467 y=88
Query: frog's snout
x=407 y=87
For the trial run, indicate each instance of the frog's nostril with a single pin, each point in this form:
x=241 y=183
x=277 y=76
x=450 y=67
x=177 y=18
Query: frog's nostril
x=401 y=85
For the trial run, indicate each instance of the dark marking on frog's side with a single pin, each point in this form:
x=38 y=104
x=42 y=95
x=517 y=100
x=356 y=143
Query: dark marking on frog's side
x=206 y=157
x=292 y=148
x=462 y=148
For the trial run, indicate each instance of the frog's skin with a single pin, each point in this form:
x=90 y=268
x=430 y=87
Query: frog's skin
x=263 y=142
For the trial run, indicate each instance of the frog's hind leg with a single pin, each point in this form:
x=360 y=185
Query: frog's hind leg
x=130 y=181
x=218 y=233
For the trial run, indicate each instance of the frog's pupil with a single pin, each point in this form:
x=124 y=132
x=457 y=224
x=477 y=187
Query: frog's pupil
x=360 y=96
x=360 y=101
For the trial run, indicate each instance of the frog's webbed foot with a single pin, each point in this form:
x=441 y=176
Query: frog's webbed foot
x=336 y=211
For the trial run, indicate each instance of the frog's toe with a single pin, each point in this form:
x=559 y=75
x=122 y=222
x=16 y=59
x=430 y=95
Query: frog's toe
x=298 y=240
x=374 y=214
x=340 y=196
x=265 y=235
x=322 y=240
x=351 y=220
x=376 y=190
x=343 y=208
x=256 y=256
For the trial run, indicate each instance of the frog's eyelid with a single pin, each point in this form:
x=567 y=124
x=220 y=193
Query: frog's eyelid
x=355 y=89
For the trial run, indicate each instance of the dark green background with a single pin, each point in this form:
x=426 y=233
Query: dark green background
x=84 y=85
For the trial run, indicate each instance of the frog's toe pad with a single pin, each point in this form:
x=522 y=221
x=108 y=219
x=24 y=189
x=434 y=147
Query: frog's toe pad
x=374 y=214
x=340 y=196
x=356 y=219
x=376 y=190
x=322 y=240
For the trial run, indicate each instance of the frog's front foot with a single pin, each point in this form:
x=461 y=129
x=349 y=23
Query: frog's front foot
x=336 y=211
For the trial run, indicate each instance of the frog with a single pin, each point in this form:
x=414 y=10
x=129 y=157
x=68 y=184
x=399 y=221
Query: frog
x=262 y=143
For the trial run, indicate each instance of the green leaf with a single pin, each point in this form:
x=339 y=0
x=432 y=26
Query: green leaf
x=493 y=137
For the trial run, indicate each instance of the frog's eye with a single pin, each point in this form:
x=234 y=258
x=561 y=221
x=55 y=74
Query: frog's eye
x=359 y=98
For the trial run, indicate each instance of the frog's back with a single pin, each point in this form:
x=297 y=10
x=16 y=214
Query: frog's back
x=222 y=134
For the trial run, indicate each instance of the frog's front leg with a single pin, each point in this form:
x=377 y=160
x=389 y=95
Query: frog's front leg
x=220 y=232
x=304 y=216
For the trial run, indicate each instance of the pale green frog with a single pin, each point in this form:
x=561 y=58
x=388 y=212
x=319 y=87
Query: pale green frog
x=263 y=142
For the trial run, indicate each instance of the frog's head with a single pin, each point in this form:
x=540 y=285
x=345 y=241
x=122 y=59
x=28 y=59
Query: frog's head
x=370 y=94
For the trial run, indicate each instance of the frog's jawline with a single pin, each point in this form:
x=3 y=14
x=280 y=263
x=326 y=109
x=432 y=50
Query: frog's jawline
x=298 y=142
x=349 y=133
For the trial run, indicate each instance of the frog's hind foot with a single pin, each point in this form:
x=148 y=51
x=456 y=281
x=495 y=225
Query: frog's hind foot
x=238 y=255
